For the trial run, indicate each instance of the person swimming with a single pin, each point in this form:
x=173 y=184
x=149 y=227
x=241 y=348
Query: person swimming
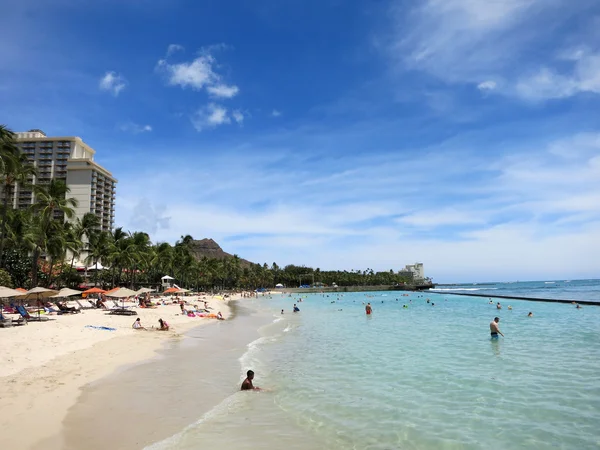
x=296 y=309
x=530 y=314
x=498 y=305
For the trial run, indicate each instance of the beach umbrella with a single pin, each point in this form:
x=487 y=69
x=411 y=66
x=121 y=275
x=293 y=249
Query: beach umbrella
x=94 y=290
x=121 y=293
x=6 y=292
x=21 y=290
x=39 y=293
x=97 y=266
x=171 y=290
x=144 y=290
x=66 y=292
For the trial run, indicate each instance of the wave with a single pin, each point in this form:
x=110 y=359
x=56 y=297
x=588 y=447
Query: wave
x=549 y=282
x=464 y=289
x=223 y=409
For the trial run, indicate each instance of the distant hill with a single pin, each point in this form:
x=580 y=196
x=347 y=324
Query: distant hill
x=210 y=249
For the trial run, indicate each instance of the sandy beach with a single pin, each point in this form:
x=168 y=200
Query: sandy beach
x=44 y=365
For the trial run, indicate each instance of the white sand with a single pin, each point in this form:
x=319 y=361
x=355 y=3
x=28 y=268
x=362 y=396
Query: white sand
x=44 y=365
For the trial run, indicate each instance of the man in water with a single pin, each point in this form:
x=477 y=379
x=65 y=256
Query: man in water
x=494 y=329
x=247 y=384
x=498 y=306
x=296 y=309
x=368 y=309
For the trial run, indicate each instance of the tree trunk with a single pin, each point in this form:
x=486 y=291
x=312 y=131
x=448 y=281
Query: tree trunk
x=7 y=191
x=34 y=266
x=50 y=273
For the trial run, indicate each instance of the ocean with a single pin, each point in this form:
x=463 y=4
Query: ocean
x=415 y=375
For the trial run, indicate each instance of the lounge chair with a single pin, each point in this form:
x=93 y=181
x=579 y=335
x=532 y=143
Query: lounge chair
x=83 y=307
x=6 y=322
x=25 y=315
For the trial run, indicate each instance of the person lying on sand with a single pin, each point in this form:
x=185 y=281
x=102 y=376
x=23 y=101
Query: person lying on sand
x=137 y=325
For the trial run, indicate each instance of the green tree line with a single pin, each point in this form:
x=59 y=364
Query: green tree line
x=39 y=246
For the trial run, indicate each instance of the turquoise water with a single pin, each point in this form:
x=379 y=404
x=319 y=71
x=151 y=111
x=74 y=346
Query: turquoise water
x=421 y=377
x=580 y=290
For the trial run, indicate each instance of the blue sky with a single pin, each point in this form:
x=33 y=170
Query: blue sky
x=339 y=134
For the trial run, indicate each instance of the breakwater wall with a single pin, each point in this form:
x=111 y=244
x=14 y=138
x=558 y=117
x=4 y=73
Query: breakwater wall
x=530 y=299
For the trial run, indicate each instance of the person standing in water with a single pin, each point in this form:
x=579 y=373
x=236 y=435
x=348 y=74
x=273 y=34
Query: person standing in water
x=368 y=309
x=494 y=329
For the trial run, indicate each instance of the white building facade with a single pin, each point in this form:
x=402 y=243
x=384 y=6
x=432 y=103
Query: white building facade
x=71 y=160
x=417 y=270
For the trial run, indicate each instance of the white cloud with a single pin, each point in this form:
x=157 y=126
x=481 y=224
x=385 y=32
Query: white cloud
x=467 y=41
x=210 y=116
x=275 y=113
x=487 y=86
x=549 y=84
x=534 y=209
x=458 y=39
x=113 y=83
x=223 y=91
x=197 y=74
x=238 y=116
x=135 y=128
x=174 y=48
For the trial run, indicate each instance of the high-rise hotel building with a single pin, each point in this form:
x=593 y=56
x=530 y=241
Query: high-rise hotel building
x=71 y=160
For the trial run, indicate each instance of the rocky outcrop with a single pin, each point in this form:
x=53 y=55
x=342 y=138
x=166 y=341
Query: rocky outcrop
x=210 y=249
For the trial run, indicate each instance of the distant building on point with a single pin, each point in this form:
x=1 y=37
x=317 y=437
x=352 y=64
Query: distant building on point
x=415 y=271
x=70 y=159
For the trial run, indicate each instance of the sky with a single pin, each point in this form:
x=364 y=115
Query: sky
x=463 y=134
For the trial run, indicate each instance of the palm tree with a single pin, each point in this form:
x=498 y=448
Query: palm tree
x=49 y=200
x=85 y=229
x=118 y=254
x=16 y=170
x=99 y=250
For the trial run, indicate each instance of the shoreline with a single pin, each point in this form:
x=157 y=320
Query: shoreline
x=46 y=366
x=189 y=378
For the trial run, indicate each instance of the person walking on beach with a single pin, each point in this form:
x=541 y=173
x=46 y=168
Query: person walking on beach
x=368 y=309
x=247 y=383
x=494 y=329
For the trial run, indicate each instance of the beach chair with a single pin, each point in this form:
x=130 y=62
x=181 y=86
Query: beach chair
x=26 y=316
x=6 y=322
x=81 y=306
